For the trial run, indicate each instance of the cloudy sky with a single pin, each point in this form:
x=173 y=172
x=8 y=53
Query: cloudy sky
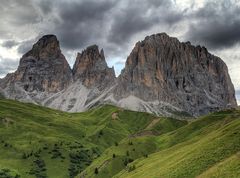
x=116 y=25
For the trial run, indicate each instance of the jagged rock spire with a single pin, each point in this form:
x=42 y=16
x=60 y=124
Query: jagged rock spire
x=43 y=68
x=91 y=68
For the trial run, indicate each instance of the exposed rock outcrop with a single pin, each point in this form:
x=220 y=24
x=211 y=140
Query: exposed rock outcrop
x=162 y=76
x=42 y=69
x=93 y=81
x=190 y=78
x=91 y=69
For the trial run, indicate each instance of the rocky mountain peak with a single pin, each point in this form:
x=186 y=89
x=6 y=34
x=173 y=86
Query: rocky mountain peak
x=43 y=68
x=161 y=68
x=91 y=68
x=90 y=57
x=162 y=75
x=47 y=47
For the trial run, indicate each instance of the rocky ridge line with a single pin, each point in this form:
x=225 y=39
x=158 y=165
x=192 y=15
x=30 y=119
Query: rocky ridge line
x=162 y=76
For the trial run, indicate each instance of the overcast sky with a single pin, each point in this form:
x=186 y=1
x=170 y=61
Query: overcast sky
x=116 y=25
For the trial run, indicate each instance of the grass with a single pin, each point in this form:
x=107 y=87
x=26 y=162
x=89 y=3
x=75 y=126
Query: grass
x=130 y=149
x=197 y=149
x=230 y=167
x=41 y=142
x=111 y=142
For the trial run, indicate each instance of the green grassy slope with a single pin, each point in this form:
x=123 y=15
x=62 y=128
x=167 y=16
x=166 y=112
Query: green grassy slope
x=229 y=167
x=207 y=147
x=111 y=142
x=138 y=145
x=41 y=142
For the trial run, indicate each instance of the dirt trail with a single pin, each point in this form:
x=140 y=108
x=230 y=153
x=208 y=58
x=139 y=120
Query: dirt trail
x=146 y=131
x=104 y=164
x=153 y=123
x=142 y=133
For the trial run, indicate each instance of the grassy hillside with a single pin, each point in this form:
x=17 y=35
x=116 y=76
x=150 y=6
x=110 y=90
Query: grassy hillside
x=207 y=147
x=41 y=142
x=138 y=145
x=111 y=142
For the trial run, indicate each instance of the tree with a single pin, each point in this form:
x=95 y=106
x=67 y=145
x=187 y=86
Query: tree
x=24 y=156
x=96 y=170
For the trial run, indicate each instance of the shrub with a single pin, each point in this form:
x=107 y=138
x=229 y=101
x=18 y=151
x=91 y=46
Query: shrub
x=131 y=168
x=130 y=143
x=127 y=160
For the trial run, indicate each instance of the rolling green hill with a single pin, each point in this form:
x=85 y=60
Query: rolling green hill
x=41 y=142
x=208 y=147
x=111 y=142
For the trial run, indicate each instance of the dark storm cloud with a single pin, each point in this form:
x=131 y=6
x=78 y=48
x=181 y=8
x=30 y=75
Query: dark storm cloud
x=9 y=43
x=45 y=6
x=136 y=17
x=113 y=24
x=105 y=22
x=17 y=17
x=18 y=12
x=216 y=25
x=82 y=22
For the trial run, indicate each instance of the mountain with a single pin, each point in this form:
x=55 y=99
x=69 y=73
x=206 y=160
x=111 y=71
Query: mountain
x=107 y=141
x=91 y=69
x=171 y=74
x=41 y=70
x=92 y=81
x=162 y=76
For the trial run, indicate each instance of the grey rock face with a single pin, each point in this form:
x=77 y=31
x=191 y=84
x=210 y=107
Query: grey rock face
x=42 y=69
x=187 y=77
x=161 y=76
x=91 y=69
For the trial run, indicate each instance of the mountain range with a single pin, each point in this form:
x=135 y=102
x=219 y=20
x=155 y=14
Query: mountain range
x=162 y=76
x=189 y=126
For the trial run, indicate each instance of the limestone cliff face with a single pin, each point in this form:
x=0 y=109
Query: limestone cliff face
x=92 y=82
x=91 y=69
x=161 y=76
x=188 y=77
x=42 y=69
